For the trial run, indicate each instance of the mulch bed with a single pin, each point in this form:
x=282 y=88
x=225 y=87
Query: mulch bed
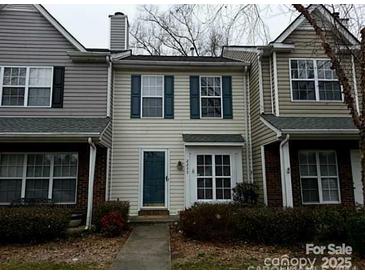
x=92 y=249
x=191 y=254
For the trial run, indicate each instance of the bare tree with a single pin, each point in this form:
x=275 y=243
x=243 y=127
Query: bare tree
x=202 y=28
x=332 y=49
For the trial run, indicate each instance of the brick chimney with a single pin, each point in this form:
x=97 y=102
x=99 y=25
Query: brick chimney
x=119 y=32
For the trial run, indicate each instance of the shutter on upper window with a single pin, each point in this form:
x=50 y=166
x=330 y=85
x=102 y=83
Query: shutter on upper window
x=227 y=97
x=58 y=87
x=194 y=97
x=169 y=97
x=136 y=96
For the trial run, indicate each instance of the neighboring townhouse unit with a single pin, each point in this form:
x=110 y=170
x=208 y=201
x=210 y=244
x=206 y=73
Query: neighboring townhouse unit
x=305 y=146
x=54 y=122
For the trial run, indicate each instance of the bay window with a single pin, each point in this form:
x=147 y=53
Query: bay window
x=319 y=177
x=38 y=176
x=26 y=86
x=314 y=80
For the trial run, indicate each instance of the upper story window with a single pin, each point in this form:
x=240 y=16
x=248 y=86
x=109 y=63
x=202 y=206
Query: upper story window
x=314 y=80
x=26 y=86
x=152 y=96
x=211 y=96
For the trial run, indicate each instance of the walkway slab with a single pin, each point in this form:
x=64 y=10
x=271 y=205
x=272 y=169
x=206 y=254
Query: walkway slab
x=148 y=247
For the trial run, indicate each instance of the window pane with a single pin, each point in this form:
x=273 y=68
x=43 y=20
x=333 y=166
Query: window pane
x=64 y=190
x=38 y=165
x=13 y=96
x=11 y=165
x=324 y=70
x=205 y=188
x=310 y=190
x=39 y=96
x=10 y=190
x=211 y=107
x=152 y=107
x=41 y=77
x=36 y=188
x=329 y=90
x=14 y=76
x=303 y=90
x=307 y=163
x=223 y=188
x=152 y=86
x=330 y=190
x=65 y=165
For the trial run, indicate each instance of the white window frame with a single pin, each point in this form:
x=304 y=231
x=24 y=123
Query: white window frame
x=50 y=177
x=207 y=96
x=316 y=82
x=26 y=86
x=319 y=179
x=214 y=177
x=163 y=96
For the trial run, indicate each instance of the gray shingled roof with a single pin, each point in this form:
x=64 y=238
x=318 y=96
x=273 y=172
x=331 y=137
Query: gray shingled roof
x=178 y=58
x=310 y=123
x=213 y=138
x=14 y=125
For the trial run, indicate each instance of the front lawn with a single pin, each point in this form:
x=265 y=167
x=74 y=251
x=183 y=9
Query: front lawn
x=191 y=254
x=86 y=252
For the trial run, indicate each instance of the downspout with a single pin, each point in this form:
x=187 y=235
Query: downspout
x=90 y=193
x=285 y=169
x=109 y=86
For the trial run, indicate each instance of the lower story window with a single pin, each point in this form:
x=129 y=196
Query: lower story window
x=319 y=177
x=214 y=180
x=38 y=176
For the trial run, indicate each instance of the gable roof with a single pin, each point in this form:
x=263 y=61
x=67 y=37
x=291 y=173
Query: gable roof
x=327 y=15
x=57 y=25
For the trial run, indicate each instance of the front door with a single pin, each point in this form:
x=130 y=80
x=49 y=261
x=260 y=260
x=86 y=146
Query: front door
x=356 y=176
x=154 y=178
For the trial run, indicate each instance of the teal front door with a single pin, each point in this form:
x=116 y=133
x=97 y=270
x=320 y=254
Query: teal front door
x=154 y=178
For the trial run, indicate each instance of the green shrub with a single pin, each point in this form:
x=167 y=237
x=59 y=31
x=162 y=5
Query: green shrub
x=355 y=232
x=208 y=221
x=103 y=209
x=32 y=224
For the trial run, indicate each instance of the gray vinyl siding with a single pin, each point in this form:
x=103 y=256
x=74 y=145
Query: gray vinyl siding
x=28 y=39
x=266 y=85
x=106 y=137
x=118 y=39
x=307 y=45
x=129 y=135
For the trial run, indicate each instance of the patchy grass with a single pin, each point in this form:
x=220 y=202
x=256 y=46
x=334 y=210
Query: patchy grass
x=191 y=254
x=86 y=252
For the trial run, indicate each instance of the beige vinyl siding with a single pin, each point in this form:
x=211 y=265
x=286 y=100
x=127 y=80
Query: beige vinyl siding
x=266 y=78
x=307 y=45
x=28 y=39
x=129 y=135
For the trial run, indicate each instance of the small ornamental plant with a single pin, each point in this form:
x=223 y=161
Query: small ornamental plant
x=112 y=224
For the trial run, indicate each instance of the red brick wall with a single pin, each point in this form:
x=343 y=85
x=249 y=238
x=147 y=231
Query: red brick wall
x=342 y=149
x=83 y=168
x=273 y=176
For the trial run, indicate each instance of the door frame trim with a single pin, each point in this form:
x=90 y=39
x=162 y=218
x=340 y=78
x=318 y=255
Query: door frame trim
x=167 y=173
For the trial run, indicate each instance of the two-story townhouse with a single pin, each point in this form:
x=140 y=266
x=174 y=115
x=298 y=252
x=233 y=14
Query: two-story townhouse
x=55 y=132
x=304 y=144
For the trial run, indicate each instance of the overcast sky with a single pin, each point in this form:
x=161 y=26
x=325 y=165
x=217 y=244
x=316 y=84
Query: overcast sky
x=89 y=23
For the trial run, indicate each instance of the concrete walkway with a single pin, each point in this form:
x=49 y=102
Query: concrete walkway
x=148 y=247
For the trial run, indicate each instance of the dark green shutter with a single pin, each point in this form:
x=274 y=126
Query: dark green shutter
x=136 y=96
x=58 y=87
x=227 y=97
x=194 y=97
x=169 y=97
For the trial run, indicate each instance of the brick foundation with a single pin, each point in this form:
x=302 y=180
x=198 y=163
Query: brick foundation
x=83 y=168
x=273 y=176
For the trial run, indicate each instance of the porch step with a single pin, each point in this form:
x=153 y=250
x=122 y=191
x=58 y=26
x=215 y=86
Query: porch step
x=153 y=212
x=154 y=219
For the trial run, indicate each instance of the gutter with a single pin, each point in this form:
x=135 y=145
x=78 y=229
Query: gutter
x=109 y=86
x=90 y=193
x=286 y=186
